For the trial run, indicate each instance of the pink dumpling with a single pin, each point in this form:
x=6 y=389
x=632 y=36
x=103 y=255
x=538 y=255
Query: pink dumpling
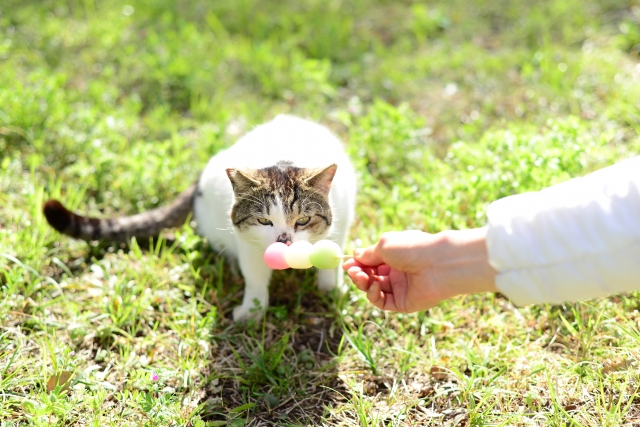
x=274 y=256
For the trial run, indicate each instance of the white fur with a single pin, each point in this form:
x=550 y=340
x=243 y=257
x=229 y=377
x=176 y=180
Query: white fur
x=306 y=144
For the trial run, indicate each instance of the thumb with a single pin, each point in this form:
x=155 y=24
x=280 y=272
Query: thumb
x=370 y=256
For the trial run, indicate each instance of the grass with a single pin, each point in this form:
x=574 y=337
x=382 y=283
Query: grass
x=444 y=107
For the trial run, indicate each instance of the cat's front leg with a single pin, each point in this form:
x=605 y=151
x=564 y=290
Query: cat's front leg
x=256 y=283
x=331 y=278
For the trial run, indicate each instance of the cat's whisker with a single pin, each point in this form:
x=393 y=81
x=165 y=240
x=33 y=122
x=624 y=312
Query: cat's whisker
x=253 y=199
x=311 y=193
x=316 y=203
x=247 y=196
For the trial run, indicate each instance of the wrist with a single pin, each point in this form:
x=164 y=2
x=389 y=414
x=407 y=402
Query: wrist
x=466 y=259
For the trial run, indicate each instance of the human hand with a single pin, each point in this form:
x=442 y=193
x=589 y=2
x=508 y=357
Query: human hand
x=411 y=271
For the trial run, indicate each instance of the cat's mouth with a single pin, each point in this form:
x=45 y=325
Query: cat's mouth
x=284 y=238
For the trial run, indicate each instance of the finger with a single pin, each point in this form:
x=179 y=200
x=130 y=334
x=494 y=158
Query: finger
x=385 y=283
x=360 y=278
x=356 y=276
x=364 y=275
x=368 y=256
x=350 y=263
x=384 y=269
x=389 y=302
x=375 y=295
x=400 y=290
x=382 y=300
x=371 y=271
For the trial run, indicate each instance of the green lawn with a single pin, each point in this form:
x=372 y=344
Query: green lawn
x=115 y=106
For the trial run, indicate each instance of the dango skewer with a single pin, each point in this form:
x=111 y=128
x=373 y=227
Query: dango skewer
x=323 y=254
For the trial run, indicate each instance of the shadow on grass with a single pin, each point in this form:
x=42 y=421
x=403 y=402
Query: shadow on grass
x=282 y=370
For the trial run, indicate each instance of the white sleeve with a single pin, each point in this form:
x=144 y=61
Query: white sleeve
x=576 y=240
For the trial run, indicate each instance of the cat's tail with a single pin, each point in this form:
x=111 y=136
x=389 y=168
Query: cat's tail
x=121 y=229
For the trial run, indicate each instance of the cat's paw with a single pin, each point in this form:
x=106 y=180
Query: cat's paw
x=243 y=313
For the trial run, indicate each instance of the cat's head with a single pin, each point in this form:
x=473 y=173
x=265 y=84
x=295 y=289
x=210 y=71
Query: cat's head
x=281 y=203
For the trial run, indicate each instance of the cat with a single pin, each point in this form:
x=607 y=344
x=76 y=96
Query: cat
x=286 y=180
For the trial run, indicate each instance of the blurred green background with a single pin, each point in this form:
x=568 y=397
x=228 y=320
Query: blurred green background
x=90 y=88
x=444 y=106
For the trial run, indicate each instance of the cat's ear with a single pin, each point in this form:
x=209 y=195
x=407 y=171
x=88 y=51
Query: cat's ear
x=241 y=179
x=320 y=179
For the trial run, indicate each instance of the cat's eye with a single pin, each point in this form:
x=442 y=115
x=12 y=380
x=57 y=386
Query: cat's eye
x=303 y=221
x=264 y=221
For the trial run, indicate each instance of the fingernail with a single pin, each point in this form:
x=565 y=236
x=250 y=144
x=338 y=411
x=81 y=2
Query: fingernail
x=358 y=252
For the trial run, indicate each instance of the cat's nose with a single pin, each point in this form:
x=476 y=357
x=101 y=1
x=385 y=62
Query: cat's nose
x=284 y=238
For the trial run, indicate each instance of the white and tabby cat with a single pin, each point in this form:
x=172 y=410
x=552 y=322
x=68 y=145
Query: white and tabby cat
x=286 y=180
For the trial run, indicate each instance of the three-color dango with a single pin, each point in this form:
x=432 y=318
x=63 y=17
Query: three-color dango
x=302 y=254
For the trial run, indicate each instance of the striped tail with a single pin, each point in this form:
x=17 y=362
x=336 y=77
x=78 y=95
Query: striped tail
x=121 y=229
